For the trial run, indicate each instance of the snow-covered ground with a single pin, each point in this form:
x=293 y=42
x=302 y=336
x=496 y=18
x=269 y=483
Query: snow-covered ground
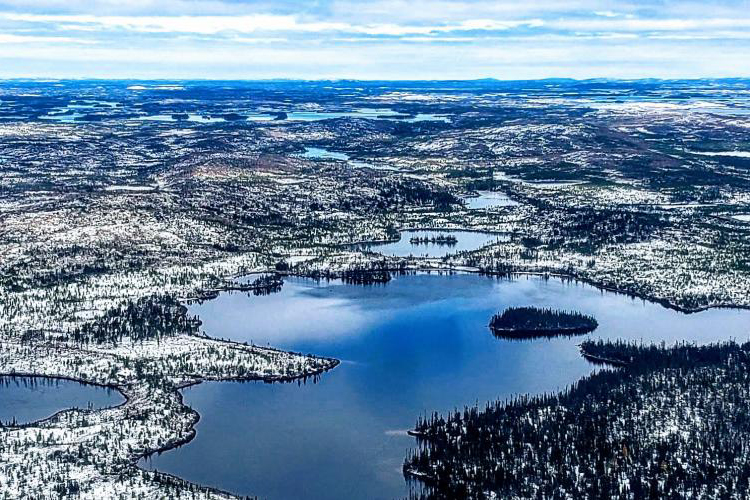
x=95 y=217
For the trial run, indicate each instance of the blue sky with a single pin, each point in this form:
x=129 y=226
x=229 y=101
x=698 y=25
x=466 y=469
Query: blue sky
x=378 y=39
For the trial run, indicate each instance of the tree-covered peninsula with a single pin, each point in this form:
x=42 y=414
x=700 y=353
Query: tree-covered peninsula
x=674 y=422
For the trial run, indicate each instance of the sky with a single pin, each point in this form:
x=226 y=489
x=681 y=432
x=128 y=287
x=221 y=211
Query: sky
x=374 y=39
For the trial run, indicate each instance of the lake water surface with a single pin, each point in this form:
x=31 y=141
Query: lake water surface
x=321 y=153
x=367 y=113
x=489 y=199
x=324 y=153
x=404 y=247
x=27 y=399
x=416 y=345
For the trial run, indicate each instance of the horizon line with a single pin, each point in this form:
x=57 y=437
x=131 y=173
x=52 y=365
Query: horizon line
x=42 y=79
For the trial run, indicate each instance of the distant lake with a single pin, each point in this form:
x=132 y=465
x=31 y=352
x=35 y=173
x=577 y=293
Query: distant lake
x=489 y=199
x=368 y=113
x=71 y=113
x=322 y=153
x=416 y=345
x=465 y=240
x=27 y=399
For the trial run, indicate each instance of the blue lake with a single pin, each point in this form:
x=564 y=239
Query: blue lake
x=27 y=399
x=416 y=345
x=321 y=153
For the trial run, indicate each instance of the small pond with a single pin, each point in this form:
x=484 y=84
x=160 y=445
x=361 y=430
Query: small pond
x=489 y=199
x=316 y=153
x=321 y=153
x=28 y=399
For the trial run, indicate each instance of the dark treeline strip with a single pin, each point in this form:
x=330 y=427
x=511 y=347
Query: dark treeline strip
x=441 y=240
x=147 y=318
x=369 y=273
x=674 y=423
x=266 y=285
x=640 y=356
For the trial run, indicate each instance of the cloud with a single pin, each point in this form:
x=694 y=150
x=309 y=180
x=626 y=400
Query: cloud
x=24 y=39
x=292 y=24
x=403 y=38
x=204 y=25
x=211 y=25
x=607 y=13
x=640 y=25
x=516 y=59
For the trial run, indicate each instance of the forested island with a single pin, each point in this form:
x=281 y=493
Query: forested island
x=661 y=427
x=531 y=322
x=448 y=240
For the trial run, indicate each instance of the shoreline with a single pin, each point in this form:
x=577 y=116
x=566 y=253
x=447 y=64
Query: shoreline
x=530 y=334
x=542 y=274
x=599 y=360
x=177 y=443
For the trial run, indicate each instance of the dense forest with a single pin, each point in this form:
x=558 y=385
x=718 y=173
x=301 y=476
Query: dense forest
x=673 y=423
x=147 y=318
x=528 y=322
x=266 y=285
x=370 y=273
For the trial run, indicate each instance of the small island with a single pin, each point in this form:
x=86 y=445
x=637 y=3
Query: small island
x=531 y=322
x=449 y=240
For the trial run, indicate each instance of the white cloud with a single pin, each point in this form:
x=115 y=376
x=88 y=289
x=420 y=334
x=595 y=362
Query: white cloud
x=258 y=40
x=509 y=60
x=373 y=38
x=23 y=39
x=211 y=25
x=607 y=13
x=618 y=24
x=128 y=7
x=204 y=25
x=290 y=24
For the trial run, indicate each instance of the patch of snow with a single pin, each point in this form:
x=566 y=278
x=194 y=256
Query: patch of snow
x=736 y=154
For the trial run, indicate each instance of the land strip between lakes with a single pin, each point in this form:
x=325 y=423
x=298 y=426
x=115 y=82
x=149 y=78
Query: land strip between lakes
x=93 y=453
